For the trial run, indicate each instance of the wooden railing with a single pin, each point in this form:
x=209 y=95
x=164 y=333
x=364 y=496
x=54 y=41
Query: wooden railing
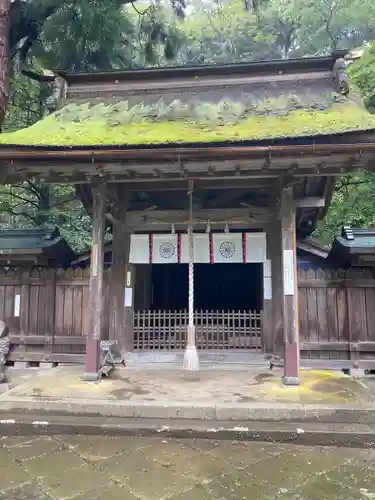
x=214 y=329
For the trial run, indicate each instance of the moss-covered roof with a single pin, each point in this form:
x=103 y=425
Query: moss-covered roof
x=81 y=125
x=243 y=109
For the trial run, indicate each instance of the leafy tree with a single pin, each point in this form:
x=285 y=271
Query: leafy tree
x=362 y=73
x=77 y=35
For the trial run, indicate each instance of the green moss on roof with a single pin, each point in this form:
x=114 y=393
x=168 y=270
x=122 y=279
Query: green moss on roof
x=159 y=123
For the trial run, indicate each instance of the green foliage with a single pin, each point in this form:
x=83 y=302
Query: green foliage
x=363 y=74
x=224 y=32
x=353 y=204
x=29 y=204
x=27 y=102
x=353 y=201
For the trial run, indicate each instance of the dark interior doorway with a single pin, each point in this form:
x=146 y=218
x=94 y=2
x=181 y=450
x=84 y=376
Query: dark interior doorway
x=217 y=287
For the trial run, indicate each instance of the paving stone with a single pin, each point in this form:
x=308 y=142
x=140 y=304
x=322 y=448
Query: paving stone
x=26 y=492
x=186 y=460
x=96 y=448
x=320 y=488
x=158 y=482
x=113 y=492
x=75 y=481
x=125 y=465
x=35 y=448
x=240 y=486
x=241 y=454
x=293 y=467
x=5 y=458
x=8 y=442
x=51 y=464
x=199 y=492
x=13 y=476
x=356 y=475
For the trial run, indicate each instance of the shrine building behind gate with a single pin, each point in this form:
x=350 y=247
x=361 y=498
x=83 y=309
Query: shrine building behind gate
x=256 y=147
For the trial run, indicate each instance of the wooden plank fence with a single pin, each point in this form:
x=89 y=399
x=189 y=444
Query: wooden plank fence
x=46 y=311
x=337 y=314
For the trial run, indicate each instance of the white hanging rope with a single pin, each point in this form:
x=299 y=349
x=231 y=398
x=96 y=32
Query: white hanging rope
x=191 y=360
x=191 y=260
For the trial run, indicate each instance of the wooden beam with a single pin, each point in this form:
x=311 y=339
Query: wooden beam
x=310 y=202
x=142 y=221
x=214 y=214
x=95 y=306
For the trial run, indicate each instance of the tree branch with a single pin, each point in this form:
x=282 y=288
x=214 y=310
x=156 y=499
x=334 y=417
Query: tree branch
x=18 y=197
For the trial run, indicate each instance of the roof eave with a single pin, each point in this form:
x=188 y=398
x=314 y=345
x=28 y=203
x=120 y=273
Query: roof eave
x=14 y=152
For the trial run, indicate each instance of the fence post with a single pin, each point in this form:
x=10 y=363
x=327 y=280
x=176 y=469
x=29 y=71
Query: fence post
x=50 y=290
x=24 y=312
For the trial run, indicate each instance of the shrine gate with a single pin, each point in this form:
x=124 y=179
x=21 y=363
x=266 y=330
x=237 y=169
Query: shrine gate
x=239 y=161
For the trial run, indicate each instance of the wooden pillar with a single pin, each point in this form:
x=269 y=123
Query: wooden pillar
x=277 y=288
x=290 y=298
x=129 y=307
x=92 y=357
x=120 y=263
x=267 y=301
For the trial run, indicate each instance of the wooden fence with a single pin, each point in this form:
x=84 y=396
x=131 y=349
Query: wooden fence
x=46 y=310
x=213 y=329
x=337 y=314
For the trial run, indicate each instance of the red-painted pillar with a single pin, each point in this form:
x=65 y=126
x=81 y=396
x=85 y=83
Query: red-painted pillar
x=92 y=357
x=290 y=289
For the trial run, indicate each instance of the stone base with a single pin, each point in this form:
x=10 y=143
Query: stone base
x=291 y=381
x=5 y=387
x=91 y=377
x=21 y=365
x=357 y=373
x=44 y=365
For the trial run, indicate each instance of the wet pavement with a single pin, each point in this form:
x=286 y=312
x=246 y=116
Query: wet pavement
x=104 y=468
x=255 y=385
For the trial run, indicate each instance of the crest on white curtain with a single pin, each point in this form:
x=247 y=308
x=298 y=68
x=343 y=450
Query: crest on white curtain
x=164 y=249
x=227 y=248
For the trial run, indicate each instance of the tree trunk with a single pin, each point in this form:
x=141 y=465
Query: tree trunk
x=4 y=57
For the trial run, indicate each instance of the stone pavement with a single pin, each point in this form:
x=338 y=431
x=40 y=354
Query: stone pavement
x=100 y=468
x=203 y=387
x=241 y=396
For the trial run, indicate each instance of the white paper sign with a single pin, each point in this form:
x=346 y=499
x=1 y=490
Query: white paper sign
x=288 y=263
x=128 y=297
x=267 y=288
x=164 y=249
x=17 y=303
x=201 y=248
x=139 y=249
x=267 y=270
